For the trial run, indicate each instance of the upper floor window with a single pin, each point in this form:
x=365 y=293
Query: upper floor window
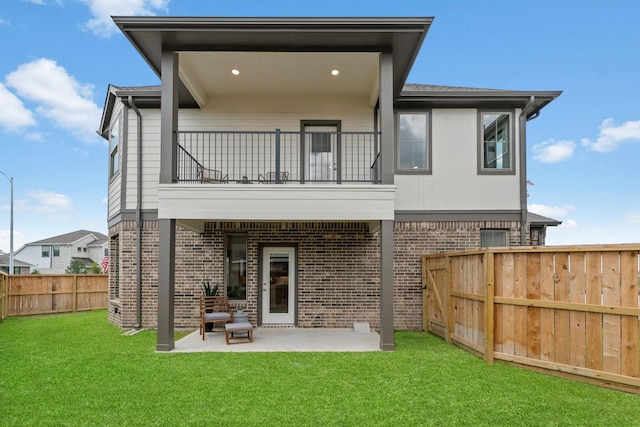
x=56 y=250
x=413 y=148
x=114 y=139
x=45 y=251
x=496 y=143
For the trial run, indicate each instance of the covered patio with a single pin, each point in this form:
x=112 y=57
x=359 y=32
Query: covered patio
x=284 y=340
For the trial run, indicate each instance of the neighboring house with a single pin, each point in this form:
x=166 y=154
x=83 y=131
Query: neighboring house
x=353 y=173
x=53 y=255
x=19 y=267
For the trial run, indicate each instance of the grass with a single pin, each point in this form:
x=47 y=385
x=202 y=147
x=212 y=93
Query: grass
x=77 y=369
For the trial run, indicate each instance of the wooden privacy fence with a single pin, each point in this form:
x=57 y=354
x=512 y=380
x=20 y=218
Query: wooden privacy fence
x=571 y=311
x=55 y=293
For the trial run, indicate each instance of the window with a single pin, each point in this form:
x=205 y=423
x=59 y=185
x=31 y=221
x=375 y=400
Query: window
x=494 y=238
x=56 y=250
x=413 y=143
x=114 y=264
x=320 y=142
x=496 y=143
x=114 y=139
x=236 y=267
x=45 y=251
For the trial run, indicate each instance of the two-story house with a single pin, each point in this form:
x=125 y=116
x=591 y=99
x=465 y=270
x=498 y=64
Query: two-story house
x=289 y=160
x=54 y=254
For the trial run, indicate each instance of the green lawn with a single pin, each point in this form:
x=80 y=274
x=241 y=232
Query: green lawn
x=77 y=369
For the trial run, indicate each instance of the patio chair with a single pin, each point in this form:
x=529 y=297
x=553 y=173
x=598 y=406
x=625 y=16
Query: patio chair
x=212 y=176
x=214 y=309
x=270 y=178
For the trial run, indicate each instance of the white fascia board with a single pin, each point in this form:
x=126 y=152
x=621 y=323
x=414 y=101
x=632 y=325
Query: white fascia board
x=276 y=202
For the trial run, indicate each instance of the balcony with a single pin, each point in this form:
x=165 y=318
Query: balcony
x=297 y=176
x=278 y=157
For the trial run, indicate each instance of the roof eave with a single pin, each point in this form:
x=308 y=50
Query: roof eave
x=461 y=98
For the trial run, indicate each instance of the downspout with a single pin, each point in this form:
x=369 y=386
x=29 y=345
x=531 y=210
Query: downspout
x=138 y=215
x=523 y=167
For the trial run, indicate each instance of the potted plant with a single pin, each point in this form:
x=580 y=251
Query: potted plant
x=210 y=290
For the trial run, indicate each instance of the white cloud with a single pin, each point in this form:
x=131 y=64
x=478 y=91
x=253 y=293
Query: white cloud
x=611 y=136
x=35 y=136
x=102 y=10
x=569 y=223
x=58 y=95
x=5 y=240
x=4 y=22
x=552 y=151
x=14 y=114
x=55 y=205
x=552 y=211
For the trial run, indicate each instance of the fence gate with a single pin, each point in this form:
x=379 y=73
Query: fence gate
x=434 y=297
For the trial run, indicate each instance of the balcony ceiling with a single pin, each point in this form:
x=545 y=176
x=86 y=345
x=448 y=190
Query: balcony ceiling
x=209 y=74
x=320 y=38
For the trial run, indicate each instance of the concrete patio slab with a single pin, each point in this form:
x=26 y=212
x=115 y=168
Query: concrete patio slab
x=284 y=339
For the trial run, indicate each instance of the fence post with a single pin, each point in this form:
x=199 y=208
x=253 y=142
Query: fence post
x=425 y=290
x=449 y=299
x=3 y=296
x=489 y=307
x=74 y=293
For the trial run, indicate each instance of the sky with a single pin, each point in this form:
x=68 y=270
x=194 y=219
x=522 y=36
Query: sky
x=583 y=151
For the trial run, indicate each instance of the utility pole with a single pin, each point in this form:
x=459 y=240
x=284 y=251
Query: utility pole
x=10 y=226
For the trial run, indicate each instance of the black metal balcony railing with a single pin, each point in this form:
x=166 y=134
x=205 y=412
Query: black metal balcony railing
x=278 y=157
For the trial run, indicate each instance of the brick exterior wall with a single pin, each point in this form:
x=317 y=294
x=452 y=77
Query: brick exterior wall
x=413 y=239
x=338 y=272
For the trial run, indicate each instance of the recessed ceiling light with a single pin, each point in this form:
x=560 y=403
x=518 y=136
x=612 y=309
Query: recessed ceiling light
x=235 y=72
x=335 y=72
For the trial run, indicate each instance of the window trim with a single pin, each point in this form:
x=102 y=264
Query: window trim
x=428 y=152
x=114 y=150
x=512 y=144
x=56 y=250
x=48 y=251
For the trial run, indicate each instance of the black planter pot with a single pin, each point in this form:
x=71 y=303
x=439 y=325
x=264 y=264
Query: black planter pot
x=208 y=327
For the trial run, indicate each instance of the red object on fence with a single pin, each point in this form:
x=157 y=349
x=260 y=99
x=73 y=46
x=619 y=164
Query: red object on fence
x=105 y=264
